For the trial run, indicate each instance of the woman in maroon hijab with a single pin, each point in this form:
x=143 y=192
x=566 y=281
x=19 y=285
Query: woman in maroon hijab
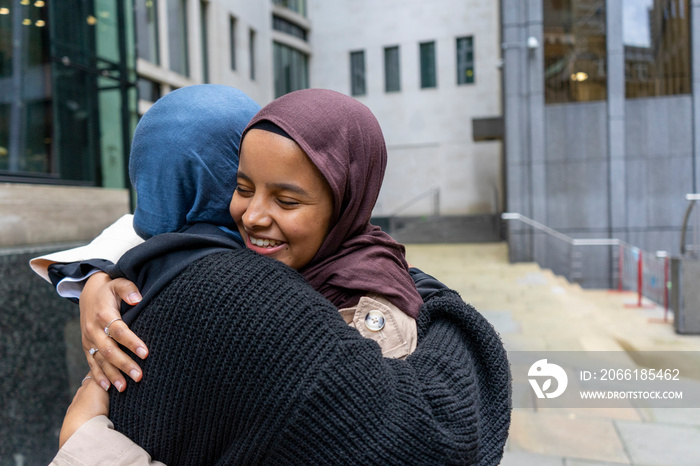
x=311 y=168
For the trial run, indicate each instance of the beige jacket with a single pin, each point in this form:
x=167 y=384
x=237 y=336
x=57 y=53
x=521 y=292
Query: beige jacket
x=96 y=443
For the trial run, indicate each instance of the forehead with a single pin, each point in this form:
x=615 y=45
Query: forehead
x=272 y=158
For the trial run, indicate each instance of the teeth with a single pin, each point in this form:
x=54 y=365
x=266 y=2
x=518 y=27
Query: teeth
x=265 y=243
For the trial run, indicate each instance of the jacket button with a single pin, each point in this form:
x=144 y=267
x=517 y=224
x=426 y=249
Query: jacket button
x=374 y=320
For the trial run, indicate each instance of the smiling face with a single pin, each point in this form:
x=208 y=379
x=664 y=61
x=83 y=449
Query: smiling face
x=283 y=204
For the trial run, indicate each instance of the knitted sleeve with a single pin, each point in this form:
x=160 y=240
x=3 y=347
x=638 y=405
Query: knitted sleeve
x=249 y=365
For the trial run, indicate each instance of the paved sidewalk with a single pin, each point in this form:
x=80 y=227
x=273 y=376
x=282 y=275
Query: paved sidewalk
x=534 y=310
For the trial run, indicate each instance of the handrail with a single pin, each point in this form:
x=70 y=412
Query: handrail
x=435 y=192
x=692 y=198
x=552 y=232
x=633 y=264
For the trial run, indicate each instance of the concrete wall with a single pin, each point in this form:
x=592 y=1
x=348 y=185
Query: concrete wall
x=428 y=131
x=659 y=149
x=42 y=214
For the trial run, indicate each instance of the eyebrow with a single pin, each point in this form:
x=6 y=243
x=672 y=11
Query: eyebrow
x=279 y=186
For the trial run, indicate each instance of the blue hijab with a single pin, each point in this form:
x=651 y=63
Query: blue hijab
x=184 y=158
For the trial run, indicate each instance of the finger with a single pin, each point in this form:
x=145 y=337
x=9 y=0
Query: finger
x=127 y=291
x=113 y=355
x=121 y=333
x=97 y=374
x=112 y=373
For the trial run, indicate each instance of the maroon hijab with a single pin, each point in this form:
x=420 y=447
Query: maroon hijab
x=343 y=139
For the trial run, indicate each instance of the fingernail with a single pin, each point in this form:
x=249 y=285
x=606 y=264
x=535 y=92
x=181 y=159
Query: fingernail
x=104 y=385
x=134 y=374
x=141 y=352
x=119 y=386
x=134 y=298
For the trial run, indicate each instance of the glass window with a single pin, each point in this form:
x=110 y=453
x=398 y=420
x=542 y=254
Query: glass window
x=392 y=71
x=203 y=15
x=291 y=69
x=147 y=30
x=177 y=36
x=67 y=118
x=232 y=41
x=428 y=76
x=657 y=47
x=357 y=73
x=283 y=25
x=251 y=53
x=148 y=90
x=6 y=47
x=465 y=60
x=574 y=50
x=298 y=6
x=25 y=102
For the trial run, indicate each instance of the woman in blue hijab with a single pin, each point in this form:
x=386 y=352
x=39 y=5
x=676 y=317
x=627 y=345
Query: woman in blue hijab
x=184 y=158
x=183 y=164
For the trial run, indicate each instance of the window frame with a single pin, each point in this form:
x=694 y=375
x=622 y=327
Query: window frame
x=428 y=67
x=358 y=77
x=392 y=69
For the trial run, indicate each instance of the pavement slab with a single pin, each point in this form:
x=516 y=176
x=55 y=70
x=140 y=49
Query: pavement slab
x=661 y=444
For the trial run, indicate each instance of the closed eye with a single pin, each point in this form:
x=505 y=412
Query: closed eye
x=287 y=202
x=244 y=192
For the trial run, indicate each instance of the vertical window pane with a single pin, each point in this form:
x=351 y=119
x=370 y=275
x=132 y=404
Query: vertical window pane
x=203 y=12
x=251 y=53
x=232 y=41
x=465 y=60
x=291 y=69
x=357 y=73
x=6 y=32
x=5 y=110
x=177 y=36
x=146 y=18
x=25 y=103
x=427 y=65
x=574 y=50
x=657 y=47
x=392 y=71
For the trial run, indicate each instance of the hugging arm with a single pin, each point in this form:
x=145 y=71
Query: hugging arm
x=77 y=275
x=447 y=403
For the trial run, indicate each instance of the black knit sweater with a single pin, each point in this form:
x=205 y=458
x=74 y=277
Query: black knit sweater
x=249 y=365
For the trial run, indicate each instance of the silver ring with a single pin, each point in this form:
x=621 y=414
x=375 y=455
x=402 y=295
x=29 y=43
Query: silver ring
x=93 y=351
x=85 y=378
x=110 y=323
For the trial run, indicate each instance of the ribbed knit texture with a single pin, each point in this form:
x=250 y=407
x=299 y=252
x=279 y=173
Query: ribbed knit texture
x=249 y=365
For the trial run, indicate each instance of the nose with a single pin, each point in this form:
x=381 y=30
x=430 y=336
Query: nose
x=257 y=214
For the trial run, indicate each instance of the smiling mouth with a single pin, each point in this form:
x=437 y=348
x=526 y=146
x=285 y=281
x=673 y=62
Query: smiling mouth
x=265 y=243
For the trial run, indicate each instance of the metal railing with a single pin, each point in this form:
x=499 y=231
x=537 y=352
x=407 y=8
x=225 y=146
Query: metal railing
x=432 y=192
x=692 y=249
x=586 y=260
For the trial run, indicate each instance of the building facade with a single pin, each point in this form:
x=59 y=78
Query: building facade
x=602 y=117
x=427 y=70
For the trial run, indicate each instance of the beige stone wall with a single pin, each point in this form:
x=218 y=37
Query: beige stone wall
x=40 y=214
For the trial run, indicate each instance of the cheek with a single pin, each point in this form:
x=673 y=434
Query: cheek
x=237 y=207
